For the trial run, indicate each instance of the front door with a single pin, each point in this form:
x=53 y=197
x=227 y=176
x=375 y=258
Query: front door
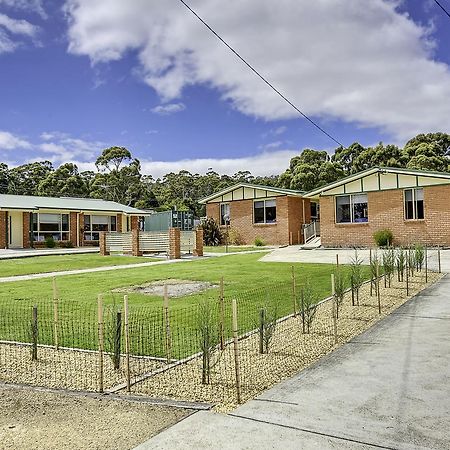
x=15 y=229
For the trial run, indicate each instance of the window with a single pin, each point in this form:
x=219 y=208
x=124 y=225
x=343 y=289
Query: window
x=315 y=211
x=265 y=211
x=351 y=208
x=93 y=225
x=225 y=214
x=50 y=225
x=414 y=204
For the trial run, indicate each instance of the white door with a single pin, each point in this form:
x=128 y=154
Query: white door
x=15 y=229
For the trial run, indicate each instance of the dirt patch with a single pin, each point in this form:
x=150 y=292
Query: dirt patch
x=175 y=288
x=37 y=420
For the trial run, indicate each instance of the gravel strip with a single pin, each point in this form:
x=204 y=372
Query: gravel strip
x=43 y=420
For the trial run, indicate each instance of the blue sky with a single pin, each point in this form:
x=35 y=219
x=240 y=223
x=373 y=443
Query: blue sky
x=81 y=75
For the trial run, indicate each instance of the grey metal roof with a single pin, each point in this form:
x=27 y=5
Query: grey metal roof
x=28 y=202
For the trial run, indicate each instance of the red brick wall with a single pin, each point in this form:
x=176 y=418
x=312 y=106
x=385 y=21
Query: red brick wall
x=73 y=228
x=3 y=229
x=386 y=210
x=289 y=219
x=119 y=223
x=134 y=223
x=26 y=230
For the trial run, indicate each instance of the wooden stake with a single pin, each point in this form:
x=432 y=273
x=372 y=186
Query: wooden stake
x=127 y=342
x=302 y=298
x=439 y=259
x=334 y=308
x=100 y=341
x=117 y=340
x=370 y=265
x=236 y=351
x=34 y=332
x=222 y=315
x=167 y=325
x=426 y=264
x=378 y=289
x=337 y=261
x=55 y=314
x=262 y=315
x=294 y=293
x=407 y=277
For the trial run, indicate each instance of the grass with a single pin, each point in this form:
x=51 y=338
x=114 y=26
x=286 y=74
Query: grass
x=232 y=248
x=60 y=263
x=78 y=294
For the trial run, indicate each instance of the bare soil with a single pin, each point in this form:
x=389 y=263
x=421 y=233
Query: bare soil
x=175 y=288
x=32 y=419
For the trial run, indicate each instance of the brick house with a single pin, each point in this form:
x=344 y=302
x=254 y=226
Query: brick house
x=273 y=214
x=26 y=221
x=413 y=204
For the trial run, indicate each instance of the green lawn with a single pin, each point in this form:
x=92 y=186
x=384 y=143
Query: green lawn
x=59 y=263
x=233 y=248
x=245 y=278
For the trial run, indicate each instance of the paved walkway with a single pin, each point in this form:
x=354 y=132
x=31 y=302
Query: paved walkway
x=388 y=388
x=29 y=252
x=294 y=253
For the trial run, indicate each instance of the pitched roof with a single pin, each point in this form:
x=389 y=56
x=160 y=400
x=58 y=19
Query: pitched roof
x=251 y=186
x=365 y=173
x=29 y=202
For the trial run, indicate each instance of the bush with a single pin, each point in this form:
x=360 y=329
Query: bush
x=211 y=232
x=234 y=237
x=259 y=242
x=66 y=244
x=50 y=242
x=383 y=238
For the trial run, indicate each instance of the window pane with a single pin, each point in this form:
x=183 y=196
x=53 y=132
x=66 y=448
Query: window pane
x=271 y=213
x=360 y=208
x=99 y=227
x=419 y=194
x=49 y=218
x=100 y=219
x=271 y=203
x=409 y=206
x=65 y=222
x=419 y=209
x=87 y=223
x=259 y=212
x=224 y=212
x=35 y=222
x=49 y=226
x=343 y=209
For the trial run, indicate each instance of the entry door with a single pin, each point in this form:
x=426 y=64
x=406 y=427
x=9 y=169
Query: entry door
x=15 y=229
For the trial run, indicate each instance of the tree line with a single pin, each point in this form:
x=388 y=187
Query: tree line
x=119 y=178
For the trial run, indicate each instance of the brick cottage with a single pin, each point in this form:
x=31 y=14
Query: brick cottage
x=26 y=221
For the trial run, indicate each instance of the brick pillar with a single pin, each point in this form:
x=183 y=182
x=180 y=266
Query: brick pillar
x=26 y=230
x=80 y=228
x=73 y=227
x=119 y=223
x=102 y=244
x=198 y=250
x=135 y=242
x=174 y=243
x=3 y=229
x=134 y=223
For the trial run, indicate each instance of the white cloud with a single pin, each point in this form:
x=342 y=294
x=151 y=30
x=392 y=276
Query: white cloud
x=11 y=29
x=265 y=163
x=15 y=26
x=27 y=5
x=168 y=109
x=9 y=141
x=358 y=61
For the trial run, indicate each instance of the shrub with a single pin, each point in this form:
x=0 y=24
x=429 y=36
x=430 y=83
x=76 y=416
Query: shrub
x=388 y=265
x=267 y=324
x=211 y=232
x=50 y=242
x=356 y=276
x=383 y=238
x=339 y=290
x=401 y=263
x=234 y=237
x=308 y=305
x=66 y=244
x=419 y=256
x=259 y=242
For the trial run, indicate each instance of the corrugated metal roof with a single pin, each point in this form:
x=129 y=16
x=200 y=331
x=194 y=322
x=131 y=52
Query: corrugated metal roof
x=28 y=202
x=252 y=186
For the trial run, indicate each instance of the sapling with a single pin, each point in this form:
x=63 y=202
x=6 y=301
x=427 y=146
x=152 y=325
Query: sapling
x=401 y=263
x=419 y=256
x=268 y=316
x=374 y=263
x=308 y=305
x=339 y=290
x=356 y=277
x=388 y=265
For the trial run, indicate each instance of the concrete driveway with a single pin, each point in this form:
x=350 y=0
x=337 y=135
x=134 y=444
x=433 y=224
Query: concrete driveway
x=387 y=388
x=295 y=253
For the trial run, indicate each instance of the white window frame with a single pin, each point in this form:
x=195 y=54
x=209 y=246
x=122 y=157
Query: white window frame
x=88 y=234
x=40 y=236
x=414 y=202
x=352 y=212
x=265 y=218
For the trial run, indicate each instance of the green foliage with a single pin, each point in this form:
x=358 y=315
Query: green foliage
x=356 y=276
x=401 y=263
x=65 y=181
x=374 y=269
x=50 y=242
x=268 y=316
x=259 y=242
x=419 y=256
x=234 y=237
x=212 y=235
x=307 y=304
x=383 y=238
x=66 y=244
x=388 y=265
x=339 y=289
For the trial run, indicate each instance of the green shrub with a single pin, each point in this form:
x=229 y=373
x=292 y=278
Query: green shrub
x=259 y=242
x=234 y=237
x=50 y=242
x=66 y=244
x=383 y=238
x=211 y=232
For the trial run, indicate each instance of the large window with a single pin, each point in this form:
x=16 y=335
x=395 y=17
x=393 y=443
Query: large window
x=225 y=214
x=351 y=208
x=94 y=224
x=265 y=211
x=414 y=204
x=50 y=225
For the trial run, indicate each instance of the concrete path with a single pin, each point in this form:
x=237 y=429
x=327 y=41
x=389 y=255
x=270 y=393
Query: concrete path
x=388 y=388
x=294 y=253
x=36 y=276
x=30 y=252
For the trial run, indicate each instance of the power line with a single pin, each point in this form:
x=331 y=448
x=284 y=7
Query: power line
x=443 y=9
x=259 y=75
